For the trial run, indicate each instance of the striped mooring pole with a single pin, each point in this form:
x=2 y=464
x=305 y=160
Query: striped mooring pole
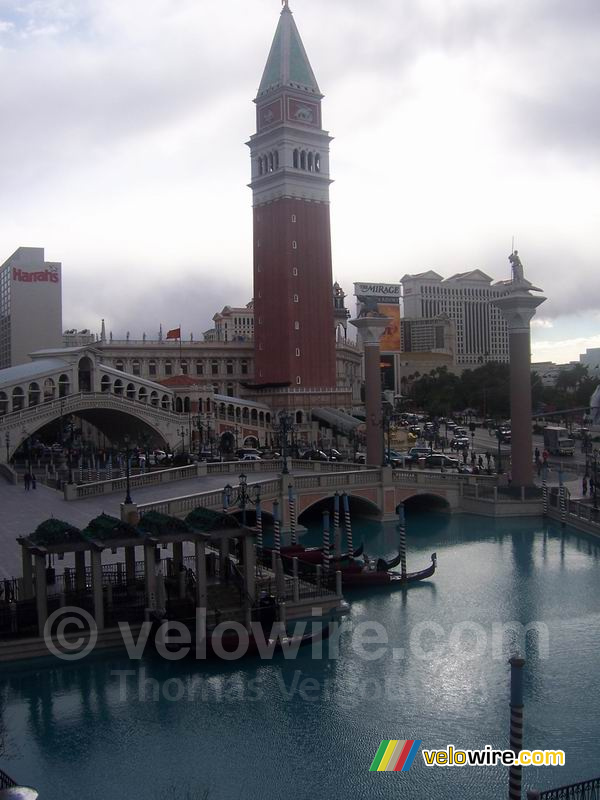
x=326 y=545
x=516 y=724
x=292 y=505
x=402 y=532
x=337 y=534
x=80 y=469
x=259 y=530
x=562 y=497
x=348 y=524
x=276 y=528
x=545 y=490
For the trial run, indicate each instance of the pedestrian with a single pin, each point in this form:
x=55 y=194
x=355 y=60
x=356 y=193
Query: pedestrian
x=33 y=482
x=545 y=456
x=509 y=477
x=473 y=457
x=592 y=485
x=537 y=454
x=464 y=456
x=584 y=485
x=480 y=462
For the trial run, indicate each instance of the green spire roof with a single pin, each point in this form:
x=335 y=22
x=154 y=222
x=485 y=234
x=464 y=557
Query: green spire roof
x=288 y=64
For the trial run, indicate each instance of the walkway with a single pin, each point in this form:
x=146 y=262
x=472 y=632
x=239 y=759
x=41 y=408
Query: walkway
x=23 y=511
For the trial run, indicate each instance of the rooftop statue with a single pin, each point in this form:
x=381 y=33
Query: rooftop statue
x=517 y=267
x=518 y=273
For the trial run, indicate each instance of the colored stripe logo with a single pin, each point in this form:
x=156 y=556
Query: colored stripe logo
x=395 y=755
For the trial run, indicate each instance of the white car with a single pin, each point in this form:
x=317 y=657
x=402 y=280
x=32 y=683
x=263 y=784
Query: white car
x=250 y=457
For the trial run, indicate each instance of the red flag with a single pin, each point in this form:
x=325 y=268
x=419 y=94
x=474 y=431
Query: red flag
x=174 y=334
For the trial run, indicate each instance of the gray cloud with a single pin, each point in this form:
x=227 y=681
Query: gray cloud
x=144 y=107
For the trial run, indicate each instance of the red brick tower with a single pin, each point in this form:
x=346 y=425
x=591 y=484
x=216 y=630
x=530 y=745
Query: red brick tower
x=294 y=327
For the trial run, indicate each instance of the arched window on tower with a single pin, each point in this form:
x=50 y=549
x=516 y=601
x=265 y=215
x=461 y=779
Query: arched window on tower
x=303 y=159
x=310 y=162
x=270 y=162
x=317 y=162
x=260 y=165
x=295 y=162
x=276 y=159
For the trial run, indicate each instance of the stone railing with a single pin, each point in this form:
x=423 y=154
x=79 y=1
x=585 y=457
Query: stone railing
x=79 y=491
x=178 y=506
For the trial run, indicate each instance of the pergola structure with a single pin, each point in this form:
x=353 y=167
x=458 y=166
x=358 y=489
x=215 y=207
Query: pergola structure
x=129 y=582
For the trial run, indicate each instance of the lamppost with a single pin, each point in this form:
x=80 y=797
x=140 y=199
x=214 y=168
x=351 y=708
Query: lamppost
x=128 y=500
x=25 y=436
x=283 y=428
x=7 y=443
x=181 y=432
x=242 y=496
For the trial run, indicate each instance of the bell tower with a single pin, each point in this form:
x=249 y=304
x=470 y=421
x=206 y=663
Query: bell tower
x=294 y=329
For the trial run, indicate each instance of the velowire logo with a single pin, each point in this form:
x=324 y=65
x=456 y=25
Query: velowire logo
x=395 y=755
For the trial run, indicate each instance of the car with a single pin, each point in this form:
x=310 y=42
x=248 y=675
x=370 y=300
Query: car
x=460 y=443
x=415 y=453
x=360 y=458
x=460 y=432
x=335 y=455
x=315 y=455
x=250 y=457
x=414 y=429
x=441 y=460
x=504 y=435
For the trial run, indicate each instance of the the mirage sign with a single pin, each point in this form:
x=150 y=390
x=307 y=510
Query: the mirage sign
x=385 y=291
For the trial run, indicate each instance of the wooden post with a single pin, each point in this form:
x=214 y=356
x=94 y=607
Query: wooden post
x=326 y=545
x=150 y=575
x=259 y=531
x=41 y=599
x=516 y=724
x=276 y=527
x=337 y=534
x=201 y=587
x=402 y=531
x=348 y=524
x=292 y=504
x=96 y=558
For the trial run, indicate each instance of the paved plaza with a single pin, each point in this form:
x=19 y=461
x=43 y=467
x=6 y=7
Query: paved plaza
x=23 y=511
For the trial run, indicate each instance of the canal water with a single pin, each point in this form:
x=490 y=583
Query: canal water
x=109 y=727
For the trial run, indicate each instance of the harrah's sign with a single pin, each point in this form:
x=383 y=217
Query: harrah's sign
x=44 y=276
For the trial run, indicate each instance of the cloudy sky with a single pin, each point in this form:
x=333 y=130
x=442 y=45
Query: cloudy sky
x=458 y=124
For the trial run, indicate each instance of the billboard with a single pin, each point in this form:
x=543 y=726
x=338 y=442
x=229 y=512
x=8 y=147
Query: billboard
x=390 y=340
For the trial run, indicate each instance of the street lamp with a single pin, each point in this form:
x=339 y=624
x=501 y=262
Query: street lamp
x=71 y=429
x=7 y=442
x=283 y=428
x=181 y=432
x=128 y=500
x=242 y=496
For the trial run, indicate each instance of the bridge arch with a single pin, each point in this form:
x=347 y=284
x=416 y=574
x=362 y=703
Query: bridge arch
x=359 y=507
x=85 y=374
x=425 y=501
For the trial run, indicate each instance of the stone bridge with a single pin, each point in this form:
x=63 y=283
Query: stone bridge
x=103 y=410
x=376 y=492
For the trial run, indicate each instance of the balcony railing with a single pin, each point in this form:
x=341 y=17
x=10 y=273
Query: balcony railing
x=586 y=790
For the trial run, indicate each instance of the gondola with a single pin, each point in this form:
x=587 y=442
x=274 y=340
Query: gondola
x=314 y=555
x=357 y=576
x=269 y=639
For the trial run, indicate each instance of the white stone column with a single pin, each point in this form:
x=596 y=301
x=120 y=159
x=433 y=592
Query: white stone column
x=201 y=585
x=97 y=588
x=41 y=598
x=371 y=330
x=518 y=307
